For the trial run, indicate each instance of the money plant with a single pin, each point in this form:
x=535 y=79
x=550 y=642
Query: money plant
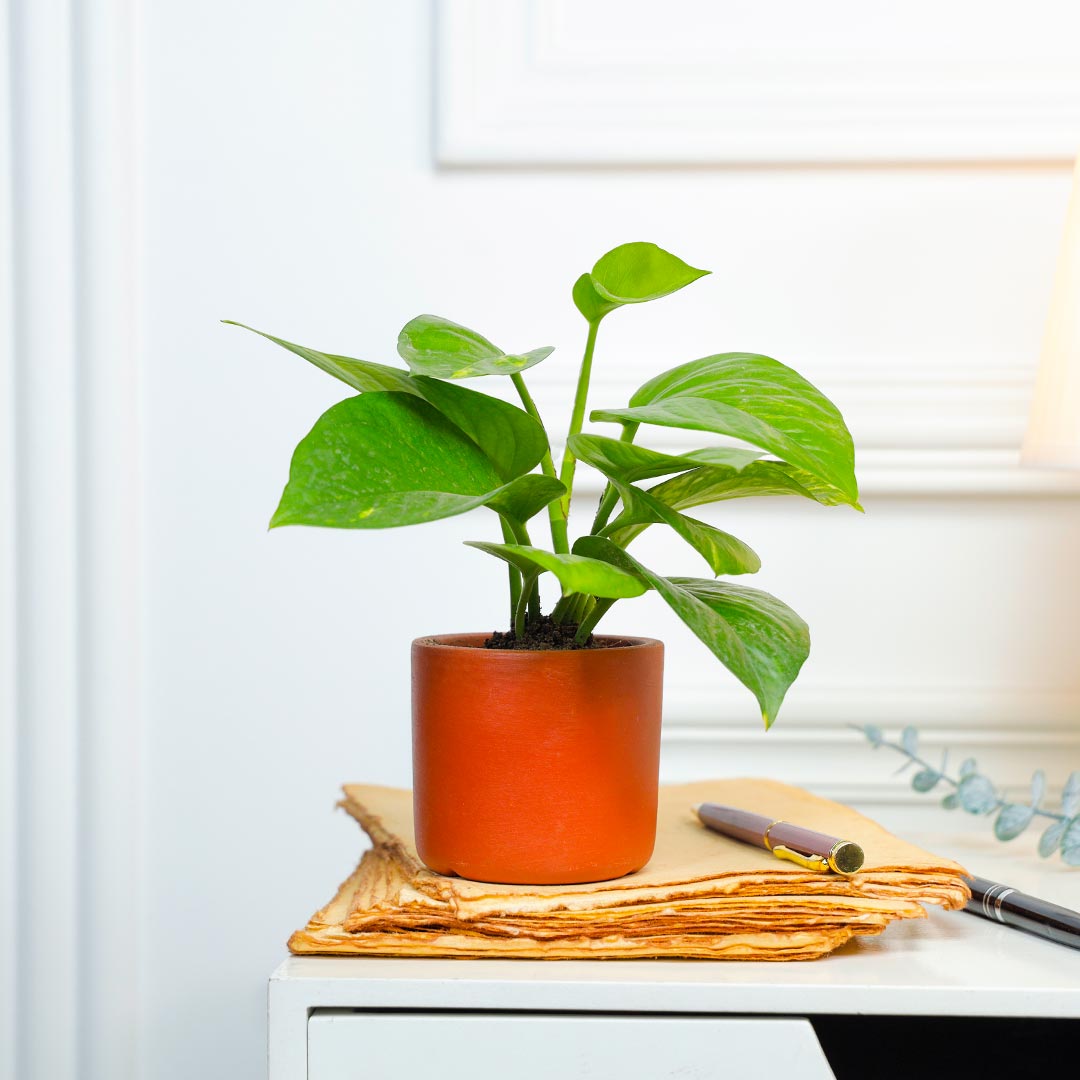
x=415 y=444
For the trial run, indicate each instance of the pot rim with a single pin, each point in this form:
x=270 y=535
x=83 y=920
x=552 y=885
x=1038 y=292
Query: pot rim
x=476 y=641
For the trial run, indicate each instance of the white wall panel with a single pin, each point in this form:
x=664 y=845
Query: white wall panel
x=529 y=82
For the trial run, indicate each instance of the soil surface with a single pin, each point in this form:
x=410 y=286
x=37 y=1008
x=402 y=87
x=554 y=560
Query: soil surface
x=544 y=635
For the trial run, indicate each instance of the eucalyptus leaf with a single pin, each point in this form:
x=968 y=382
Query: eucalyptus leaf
x=1070 y=842
x=757 y=399
x=576 y=573
x=630 y=462
x=874 y=734
x=925 y=779
x=1012 y=820
x=1050 y=840
x=388 y=459
x=432 y=345
x=1070 y=795
x=977 y=794
x=1038 y=787
x=951 y=801
x=755 y=636
x=909 y=740
x=967 y=767
x=631 y=274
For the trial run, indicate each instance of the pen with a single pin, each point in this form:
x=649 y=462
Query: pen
x=1003 y=904
x=805 y=847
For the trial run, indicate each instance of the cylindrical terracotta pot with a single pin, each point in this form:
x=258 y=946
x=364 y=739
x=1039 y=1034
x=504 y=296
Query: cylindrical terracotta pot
x=535 y=767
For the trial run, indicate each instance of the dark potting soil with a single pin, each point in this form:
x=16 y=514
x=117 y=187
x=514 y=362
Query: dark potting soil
x=545 y=634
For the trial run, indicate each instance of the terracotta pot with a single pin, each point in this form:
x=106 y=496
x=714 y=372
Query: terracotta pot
x=535 y=767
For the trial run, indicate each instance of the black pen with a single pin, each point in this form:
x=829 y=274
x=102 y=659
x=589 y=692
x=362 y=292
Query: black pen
x=1003 y=904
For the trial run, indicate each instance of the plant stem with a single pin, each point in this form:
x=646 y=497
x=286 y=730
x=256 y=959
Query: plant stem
x=515 y=573
x=956 y=783
x=556 y=511
x=611 y=496
x=586 y=626
x=530 y=586
x=577 y=418
x=527 y=591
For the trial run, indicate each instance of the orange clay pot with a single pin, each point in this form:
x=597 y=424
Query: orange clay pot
x=535 y=768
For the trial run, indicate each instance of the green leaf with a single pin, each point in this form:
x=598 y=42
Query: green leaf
x=1070 y=843
x=925 y=779
x=977 y=795
x=754 y=635
x=951 y=801
x=381 y=460
x=1070 y=795
x=1012 y=821
x=874 y=734
x=434 y=346
x=361 y=375
x=1038 y=787
x=909 y=740
x=712 y=484
x=576 y=573
x=511 y=438
x=725 y=554
x=526 y=496
x=1050 y=840
x=631 y=462
x=631 y=274
x=967 y=767
x=756 y=399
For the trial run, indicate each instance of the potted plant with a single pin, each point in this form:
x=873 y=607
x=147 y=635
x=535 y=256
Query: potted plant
x=536 y=750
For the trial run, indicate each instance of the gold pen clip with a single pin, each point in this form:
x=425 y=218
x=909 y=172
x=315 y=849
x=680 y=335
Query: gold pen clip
x=810 y=862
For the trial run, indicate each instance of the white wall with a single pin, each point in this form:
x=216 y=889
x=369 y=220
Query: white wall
x=281 y=158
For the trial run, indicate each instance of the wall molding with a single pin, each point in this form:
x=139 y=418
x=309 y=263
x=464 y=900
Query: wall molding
x=74 y=552
x=521 y=83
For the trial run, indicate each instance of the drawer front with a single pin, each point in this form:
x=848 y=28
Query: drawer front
x=356 y=1045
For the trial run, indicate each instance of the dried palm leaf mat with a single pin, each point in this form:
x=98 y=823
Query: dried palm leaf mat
x=701 y=896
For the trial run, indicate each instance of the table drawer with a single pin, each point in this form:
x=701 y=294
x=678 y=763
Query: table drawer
x=386 y=1045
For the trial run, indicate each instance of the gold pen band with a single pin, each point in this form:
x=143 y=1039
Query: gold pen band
x=845 y=857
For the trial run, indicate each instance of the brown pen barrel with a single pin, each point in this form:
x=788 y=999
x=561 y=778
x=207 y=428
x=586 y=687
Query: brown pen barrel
x=738 y=824
x=783 y=834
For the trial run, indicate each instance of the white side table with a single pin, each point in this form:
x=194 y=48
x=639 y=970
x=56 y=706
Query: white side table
x=370 y=1019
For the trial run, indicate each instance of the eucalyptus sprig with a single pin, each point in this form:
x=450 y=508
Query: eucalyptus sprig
x=975 y=793
x=416 y=446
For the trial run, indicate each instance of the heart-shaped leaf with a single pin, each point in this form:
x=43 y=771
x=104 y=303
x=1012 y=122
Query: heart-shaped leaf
x=509 y=437
x=925 y=779
x=756 y=399
x=755 y=636
x=1050 y=840
x=386 y=459
x=631 y=462
x=1070 y=795
x=715 y=483
x=725 y=554
x=524 y=498
x=1012 y=821
x=977 y=794
x=1070 y=843
x=631 y=274
x=361 y=375
x=434 y=346
x=576 y=573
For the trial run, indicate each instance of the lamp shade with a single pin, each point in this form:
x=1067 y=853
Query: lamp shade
x=1053 y=434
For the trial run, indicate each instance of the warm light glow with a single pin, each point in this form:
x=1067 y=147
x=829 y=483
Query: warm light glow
x=1053 y=435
